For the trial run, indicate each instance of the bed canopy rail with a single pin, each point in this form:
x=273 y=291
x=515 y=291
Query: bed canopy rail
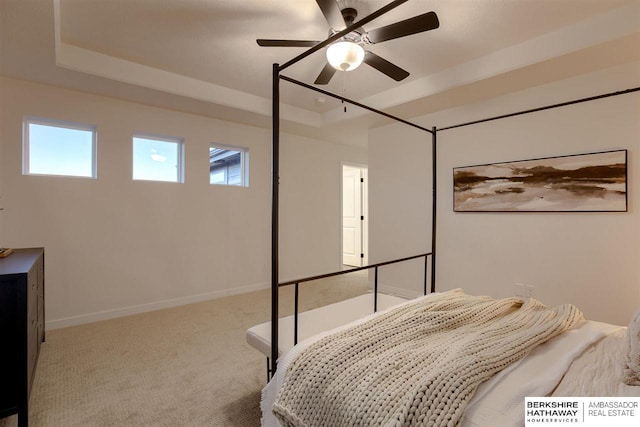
x=355 y=103
x=547 y=107
x=275 y=177
x=296 y=283
x=275 y=284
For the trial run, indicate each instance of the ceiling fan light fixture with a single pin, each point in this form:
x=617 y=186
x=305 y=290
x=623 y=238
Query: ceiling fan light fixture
x=345 y=55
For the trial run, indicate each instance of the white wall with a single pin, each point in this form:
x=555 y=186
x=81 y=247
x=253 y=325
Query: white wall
x=116 y=246
x=311 y=206
x=589 y=259
x=400 y=190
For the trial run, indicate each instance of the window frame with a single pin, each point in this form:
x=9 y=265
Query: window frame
x=65 y=124
x=244 y=163
x=162 y=138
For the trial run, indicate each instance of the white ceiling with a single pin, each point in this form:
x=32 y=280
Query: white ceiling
x=200 y=56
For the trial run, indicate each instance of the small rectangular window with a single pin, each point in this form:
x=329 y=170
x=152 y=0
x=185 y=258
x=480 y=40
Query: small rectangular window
x=229 y=165
x=56 y=147
x=157 y=158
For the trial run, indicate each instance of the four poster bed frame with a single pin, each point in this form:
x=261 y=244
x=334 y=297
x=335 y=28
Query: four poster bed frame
x=429 y=257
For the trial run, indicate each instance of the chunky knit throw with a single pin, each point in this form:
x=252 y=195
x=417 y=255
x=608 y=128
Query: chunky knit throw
x=416 y=365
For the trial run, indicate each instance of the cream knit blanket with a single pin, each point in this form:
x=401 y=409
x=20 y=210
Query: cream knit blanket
x=417 y=365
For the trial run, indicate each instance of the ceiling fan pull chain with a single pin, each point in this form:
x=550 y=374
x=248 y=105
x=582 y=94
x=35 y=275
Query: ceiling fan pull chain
x=344 y=90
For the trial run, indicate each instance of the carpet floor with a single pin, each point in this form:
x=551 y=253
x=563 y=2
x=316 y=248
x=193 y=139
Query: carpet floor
x=183 y=366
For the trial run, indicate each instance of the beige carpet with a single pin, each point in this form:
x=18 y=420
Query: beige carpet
x=184 y=366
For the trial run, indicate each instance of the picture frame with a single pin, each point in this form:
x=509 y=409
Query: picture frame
x=591 y=182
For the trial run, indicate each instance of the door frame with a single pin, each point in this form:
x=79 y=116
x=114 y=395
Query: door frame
x=365 y=207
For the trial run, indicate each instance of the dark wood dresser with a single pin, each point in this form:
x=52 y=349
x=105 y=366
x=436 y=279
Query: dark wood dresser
x=21 y=328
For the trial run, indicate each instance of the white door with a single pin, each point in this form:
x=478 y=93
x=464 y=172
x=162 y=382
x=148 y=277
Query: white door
x=352 y=216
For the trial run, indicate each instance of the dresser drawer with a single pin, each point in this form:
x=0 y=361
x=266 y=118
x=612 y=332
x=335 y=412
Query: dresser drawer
x=32 y=285
x=40 y=318
x=40 y=275
x=32 y=306
x=32 y=352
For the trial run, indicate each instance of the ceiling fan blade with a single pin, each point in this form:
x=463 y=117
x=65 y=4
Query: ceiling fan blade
x=385 y=67
x=286 y=43
x=325 y=75
x=417 y=24
x=332 y=13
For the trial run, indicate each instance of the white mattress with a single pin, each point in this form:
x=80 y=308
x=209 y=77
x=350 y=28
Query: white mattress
x=500 y=400
x=318 y=320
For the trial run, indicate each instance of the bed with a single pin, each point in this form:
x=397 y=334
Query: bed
x=318 y=320
x=580 y=358
x=587 y=359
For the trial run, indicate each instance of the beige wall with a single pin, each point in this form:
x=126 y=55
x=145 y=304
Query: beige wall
x=116 y=246
x=589 y=259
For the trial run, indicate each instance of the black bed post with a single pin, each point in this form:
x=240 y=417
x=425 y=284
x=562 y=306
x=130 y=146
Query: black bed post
x=434 y=171
x=275 y=169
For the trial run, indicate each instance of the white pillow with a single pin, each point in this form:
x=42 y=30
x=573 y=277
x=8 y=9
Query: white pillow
x=632 y=366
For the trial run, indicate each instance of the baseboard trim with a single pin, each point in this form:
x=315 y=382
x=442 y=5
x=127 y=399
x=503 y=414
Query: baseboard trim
x=152 y=306
x=399 y=292
x=159 y=305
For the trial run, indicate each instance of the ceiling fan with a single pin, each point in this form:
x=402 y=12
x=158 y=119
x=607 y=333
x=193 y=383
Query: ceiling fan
x=348 y=52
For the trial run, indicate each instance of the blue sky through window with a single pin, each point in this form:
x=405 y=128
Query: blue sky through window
x=156 y=160
x=60 y=151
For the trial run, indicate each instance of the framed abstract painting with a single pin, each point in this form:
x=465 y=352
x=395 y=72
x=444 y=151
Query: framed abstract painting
x=593 y=182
